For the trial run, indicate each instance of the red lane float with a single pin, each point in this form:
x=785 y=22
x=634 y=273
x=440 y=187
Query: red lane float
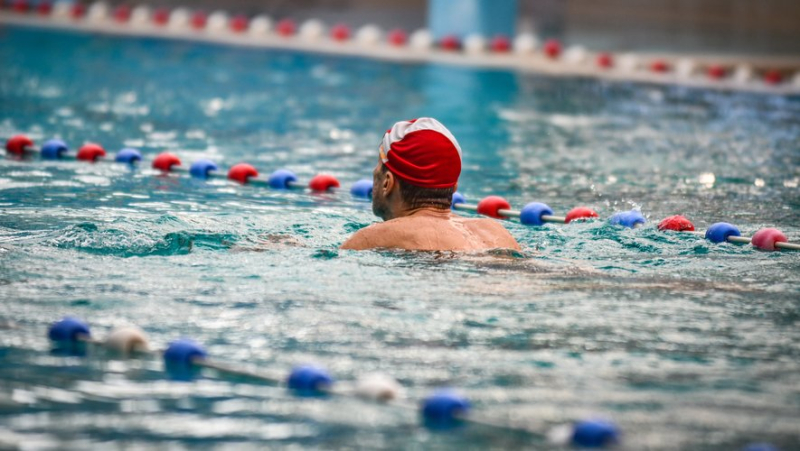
x=242 y=172
x=500 y=44
x=773 y=77
x=716 y=72
x=198 y=20
x=397 y=37
x=677 y=223
x=77 y=11
x=340 y=32
x=122 y=13
x=552 y=48
x=161 y=16
x=286 y=27
x=659 y=66
x=20 y=6
x=239 y=23
x=450 y=43
x=580 y=213
x=490 y=204
x=91 y=152
x=165 y=161
x=765 y=239
x=44 y=8
x=323 y=182
x=605 y=61
x=17 y=144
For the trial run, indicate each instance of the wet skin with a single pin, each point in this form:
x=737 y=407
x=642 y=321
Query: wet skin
x=424 y=228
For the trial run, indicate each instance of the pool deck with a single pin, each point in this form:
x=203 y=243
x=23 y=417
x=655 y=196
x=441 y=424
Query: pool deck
x=530 y=62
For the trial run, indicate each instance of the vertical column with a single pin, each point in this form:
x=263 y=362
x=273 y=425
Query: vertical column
x=464 y=17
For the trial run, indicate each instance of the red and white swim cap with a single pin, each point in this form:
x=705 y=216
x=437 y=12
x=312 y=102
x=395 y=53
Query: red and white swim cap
x=423 y=153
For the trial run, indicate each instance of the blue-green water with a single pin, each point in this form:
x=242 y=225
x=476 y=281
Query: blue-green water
x=685 y=344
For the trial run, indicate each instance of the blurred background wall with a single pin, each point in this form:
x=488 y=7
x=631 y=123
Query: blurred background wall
x=700 y=26
x=715 y=26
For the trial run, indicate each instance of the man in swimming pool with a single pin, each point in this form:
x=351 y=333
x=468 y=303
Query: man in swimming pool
x=413 y=186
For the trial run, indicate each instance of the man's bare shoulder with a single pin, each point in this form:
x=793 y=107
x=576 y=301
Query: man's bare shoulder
x=433 y=233
x=373 y=236
x=491 y=230
x=482 y=223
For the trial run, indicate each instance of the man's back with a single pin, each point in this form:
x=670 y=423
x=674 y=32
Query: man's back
x=429 y=230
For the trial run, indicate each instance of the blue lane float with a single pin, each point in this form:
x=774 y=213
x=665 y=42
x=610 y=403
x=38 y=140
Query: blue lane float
x=444 y=409
x=69 y=336
x=533 y=214
x=202 y=168
x=181 y=359
x=128 y=156
x=68 y=330
x=594 y=434
x=184 y=358
x=184 y=351
x=721 y=231
x=281 y=179
x=362 y=189
x=309 y=380
x=630 y=219
x=458 y=198
x=54 y=149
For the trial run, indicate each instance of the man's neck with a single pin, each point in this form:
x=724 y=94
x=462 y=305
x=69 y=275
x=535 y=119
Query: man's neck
x=420 y=211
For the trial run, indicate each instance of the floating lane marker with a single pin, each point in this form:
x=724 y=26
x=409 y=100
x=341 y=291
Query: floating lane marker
x=532 y=214
x=522 y=52
x=537 y=214
x=183 y=359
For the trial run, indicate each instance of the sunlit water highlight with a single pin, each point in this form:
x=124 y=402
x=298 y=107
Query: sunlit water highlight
x=686 y=344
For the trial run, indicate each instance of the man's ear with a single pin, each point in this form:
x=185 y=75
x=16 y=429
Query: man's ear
x=389 y=182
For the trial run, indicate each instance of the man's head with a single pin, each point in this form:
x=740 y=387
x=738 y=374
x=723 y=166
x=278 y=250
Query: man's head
x=420 y=161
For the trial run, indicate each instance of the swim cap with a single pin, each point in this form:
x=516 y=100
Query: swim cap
x=422 y=152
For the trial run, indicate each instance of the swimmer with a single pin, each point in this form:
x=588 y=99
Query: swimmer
x=413 y=185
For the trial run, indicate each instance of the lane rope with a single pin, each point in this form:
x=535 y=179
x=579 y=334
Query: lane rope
x=532 y=214
x=443 y=409
x=523 y=52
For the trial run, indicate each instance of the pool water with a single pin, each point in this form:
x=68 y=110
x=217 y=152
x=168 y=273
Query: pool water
x=685 y=344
